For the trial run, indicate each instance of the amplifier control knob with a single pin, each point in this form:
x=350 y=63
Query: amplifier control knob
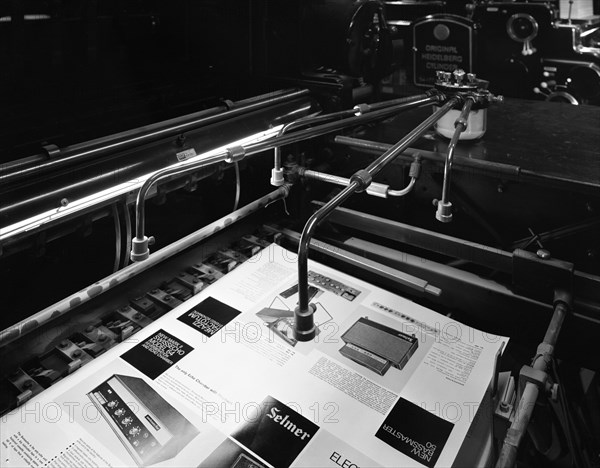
x=112 y=404
x=119 y=412
x=135 y=430
x=126 y=421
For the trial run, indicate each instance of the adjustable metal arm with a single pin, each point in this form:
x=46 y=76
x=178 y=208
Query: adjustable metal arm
x=376 y=189
x=140 y=243
x=304 y=326
x=444 y=207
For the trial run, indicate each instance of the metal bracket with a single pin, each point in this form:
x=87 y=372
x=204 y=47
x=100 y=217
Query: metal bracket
x=535 y=376
x=539 y=275
x=51 y=150
x=229 y=104
x=235 y=154
x=362 y=109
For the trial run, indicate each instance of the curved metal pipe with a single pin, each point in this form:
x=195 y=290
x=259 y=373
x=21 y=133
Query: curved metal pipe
x=128 y=231
x=304 y=326
x=406 y=190
x=238 y=187
x=117 y=221
x=140 y=211
x=304 y=323
x=444 y=207
x=140 y=243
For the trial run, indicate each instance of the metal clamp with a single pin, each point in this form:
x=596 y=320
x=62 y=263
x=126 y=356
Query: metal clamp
x=545 y=348
x=139 y=248
x=415 y=167
x=535 y=376
x=540 y=276
x=361 y=109
x=229 y=104
x=444 y=211
x=235 y=154
x=363 y=178
x=52 y=151
x=513 y=437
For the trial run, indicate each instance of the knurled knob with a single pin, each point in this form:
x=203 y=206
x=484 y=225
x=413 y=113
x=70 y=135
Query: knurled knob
x=459 y=75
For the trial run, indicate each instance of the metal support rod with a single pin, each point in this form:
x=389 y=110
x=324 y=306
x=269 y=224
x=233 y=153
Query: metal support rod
x=324 y=177
x=444 y=207
x=67 y=304
x=508 y=453
x=553 y=329
x=375 y=189
x=479 y=165
x=394 y=102
x=586 y=286
x=140 y=243
x=304 y=327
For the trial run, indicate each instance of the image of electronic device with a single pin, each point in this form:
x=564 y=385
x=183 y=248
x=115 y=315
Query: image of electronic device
x=378 y=347
x=147 y=425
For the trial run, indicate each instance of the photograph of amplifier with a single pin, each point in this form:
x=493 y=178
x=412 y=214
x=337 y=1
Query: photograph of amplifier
x=150 y=428
x=244 y=461
x=378 y=347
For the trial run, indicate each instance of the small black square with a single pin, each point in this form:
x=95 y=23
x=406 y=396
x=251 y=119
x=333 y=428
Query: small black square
x=277 y=433
x=415 y=432
x=156 y=353
x=209 y=316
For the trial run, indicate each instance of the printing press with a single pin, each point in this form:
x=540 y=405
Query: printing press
x=447 y=152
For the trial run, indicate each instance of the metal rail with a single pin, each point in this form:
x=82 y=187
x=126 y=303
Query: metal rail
x=479 y=165
x=55 y=159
